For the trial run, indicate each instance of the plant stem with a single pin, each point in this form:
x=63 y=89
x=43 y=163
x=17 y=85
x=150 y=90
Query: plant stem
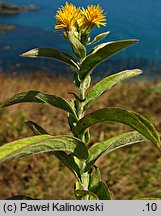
x=80 y=113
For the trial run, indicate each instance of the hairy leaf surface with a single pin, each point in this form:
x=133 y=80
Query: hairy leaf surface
x=40 y=97
x=51 y=53
x=99 y=37
x=100 y=53
x=40 y=144
x=105 y=147
x=66 y=159
x=78 y=48
x=134 y=120
x=98 y=89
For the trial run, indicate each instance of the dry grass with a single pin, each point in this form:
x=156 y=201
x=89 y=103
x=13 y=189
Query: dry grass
x=131 y=173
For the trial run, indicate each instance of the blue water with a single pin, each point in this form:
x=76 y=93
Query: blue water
x=126 y=19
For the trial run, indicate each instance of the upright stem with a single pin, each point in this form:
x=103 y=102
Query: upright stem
x=80 y=111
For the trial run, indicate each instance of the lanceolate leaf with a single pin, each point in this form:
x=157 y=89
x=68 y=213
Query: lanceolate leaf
x=124 y=116
x=98 y=187
x=39 y=97
x=107 y=146
x=68 y=160
x=99 y=37
x=107 y=84
x=150 y=128
x=40 y=144
x=94 y=177
x=101 y=191
x=51 y=53
x=78 y=48
x=38 y=130
x=101 y=53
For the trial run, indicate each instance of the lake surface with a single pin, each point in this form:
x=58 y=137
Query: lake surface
x=126 y=19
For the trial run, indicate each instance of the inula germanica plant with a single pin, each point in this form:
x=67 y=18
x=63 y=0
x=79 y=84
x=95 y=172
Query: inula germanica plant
x=76 y=151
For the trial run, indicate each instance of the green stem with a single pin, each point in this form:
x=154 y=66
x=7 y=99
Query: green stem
x=80 y=112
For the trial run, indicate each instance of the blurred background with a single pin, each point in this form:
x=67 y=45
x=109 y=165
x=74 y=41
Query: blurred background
x=132 y=172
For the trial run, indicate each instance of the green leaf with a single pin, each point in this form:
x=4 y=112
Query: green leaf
x=94 y=177
x=101 y=53
x=78 y=48
x=103 y=148
x=38 y=130
x=124 y=116
x=83 y=194
x=98 y=187
x=40 y=144
x=99 y=37
x=21 y=197
x=40 y=97
x=68 y=160
x=98 y=89
x=150 y=128
x=51 y=53
x=102 y=191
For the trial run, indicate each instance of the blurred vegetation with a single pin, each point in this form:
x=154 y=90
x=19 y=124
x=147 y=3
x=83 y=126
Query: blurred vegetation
x=132 y=173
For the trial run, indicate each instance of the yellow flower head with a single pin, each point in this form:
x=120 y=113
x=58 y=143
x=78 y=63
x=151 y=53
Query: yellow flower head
x=79 y=21
x=67 y=16
x=93 y=15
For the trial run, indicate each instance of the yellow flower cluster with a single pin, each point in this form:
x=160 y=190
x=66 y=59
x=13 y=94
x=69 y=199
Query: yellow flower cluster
x=93 y=15
x=67 y=16
x=70 y=17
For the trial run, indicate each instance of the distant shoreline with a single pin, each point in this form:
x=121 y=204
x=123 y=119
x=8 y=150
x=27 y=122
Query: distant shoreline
x=35 y=29
x=8 y=9
x=21 y=65
x=12 y=9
